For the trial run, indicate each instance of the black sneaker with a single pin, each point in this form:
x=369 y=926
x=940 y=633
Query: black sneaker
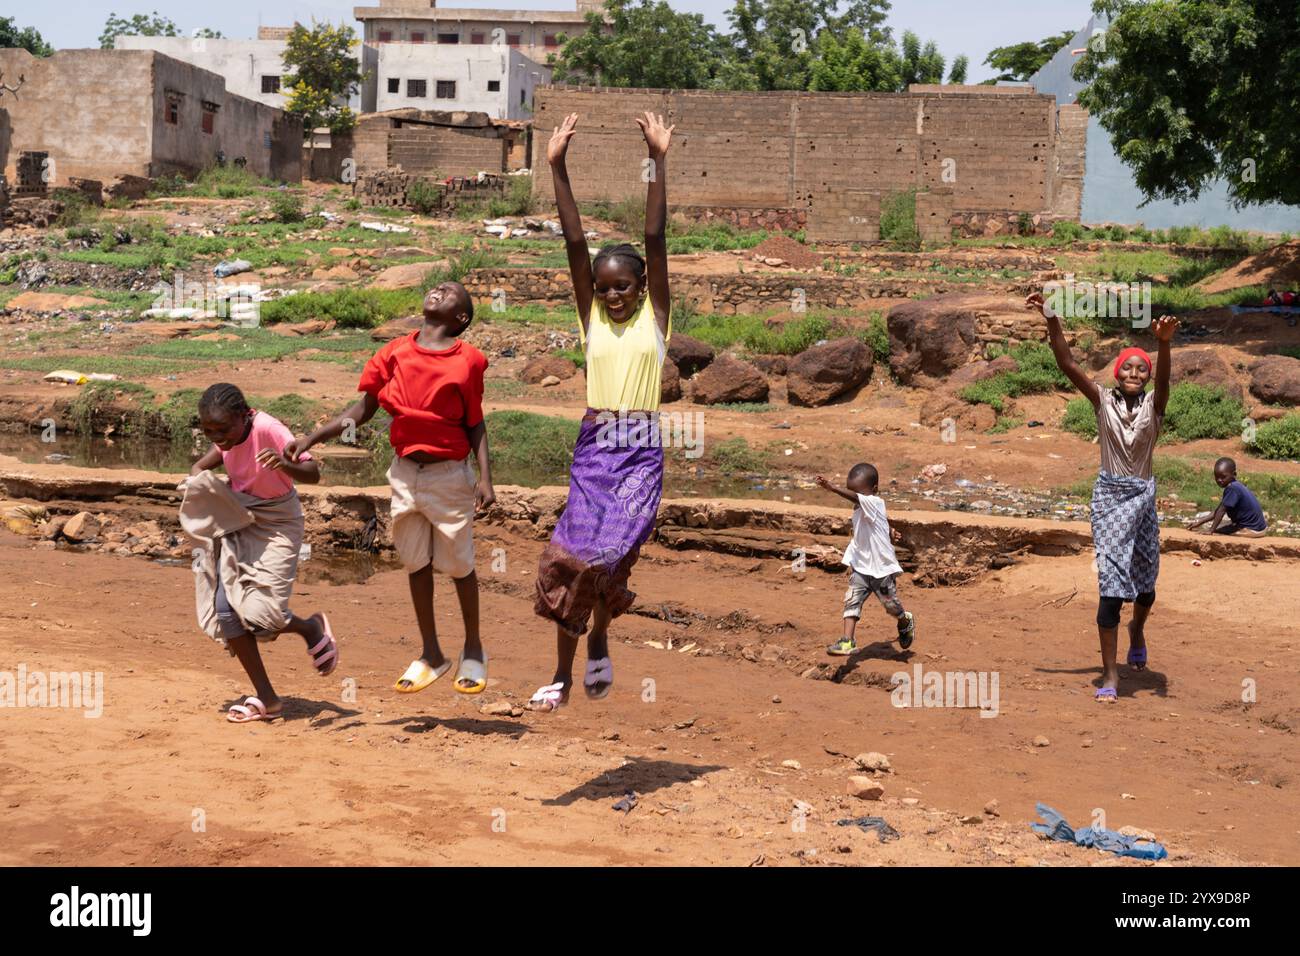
x=906 y=630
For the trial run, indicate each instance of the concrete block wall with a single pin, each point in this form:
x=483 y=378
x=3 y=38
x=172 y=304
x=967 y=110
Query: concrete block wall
x=446 y=151
x=831 y=154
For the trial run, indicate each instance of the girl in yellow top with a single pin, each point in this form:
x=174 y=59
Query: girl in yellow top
x=618 y=464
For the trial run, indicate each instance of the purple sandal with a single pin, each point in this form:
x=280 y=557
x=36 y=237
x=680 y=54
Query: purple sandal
x=1107 y=694
x=599 y=672
x=1137 y=658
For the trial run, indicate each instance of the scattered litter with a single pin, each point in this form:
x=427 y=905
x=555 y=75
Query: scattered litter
x=304 y=553
x=1196 y=562
x=1034 y=423
x=499 y=231
x=1055 y=828
x=883 y=830
x=627 y=804
x=933 y=472
x=69 y=377
x=385 y=227
x=231 y=267
x=329 y=216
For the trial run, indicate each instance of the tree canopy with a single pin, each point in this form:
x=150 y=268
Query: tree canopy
x=1020 y=61
x=26 y=39
x=1200 y=91
x=321 y=74
x=145 y=25
x=774 y=45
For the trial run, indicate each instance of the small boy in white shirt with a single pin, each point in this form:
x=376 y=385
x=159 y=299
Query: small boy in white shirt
x=873 y=566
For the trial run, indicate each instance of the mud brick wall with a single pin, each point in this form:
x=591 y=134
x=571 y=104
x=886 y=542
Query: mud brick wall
x=832 y=155
x=771 y=218
x=445 y=151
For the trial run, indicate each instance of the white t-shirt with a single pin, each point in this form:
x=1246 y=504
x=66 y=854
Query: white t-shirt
x=870 y=551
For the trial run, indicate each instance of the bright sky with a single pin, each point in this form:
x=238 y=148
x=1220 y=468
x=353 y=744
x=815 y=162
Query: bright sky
x=972 y=27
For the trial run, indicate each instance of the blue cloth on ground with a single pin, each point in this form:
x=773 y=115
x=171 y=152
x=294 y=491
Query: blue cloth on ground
x=1275 y=309
x=1056 y=828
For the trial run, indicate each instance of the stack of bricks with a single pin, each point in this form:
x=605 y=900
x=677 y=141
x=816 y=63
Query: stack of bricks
x=31 y=174
x=386 y=187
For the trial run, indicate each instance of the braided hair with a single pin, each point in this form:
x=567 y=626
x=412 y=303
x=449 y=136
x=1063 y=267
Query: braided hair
x=623 y=250
x=224 y=397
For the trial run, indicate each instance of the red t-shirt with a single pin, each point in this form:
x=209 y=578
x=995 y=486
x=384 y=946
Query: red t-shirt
x=435 y=397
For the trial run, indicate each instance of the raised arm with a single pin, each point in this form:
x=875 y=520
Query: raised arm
x=657 y=138
x=1061 y=350
x=575 y=242
x=842 y=492
x=1164 y=330
x=360 y=412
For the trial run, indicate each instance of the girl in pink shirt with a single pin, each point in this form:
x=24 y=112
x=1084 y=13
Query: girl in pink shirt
x=250 y=445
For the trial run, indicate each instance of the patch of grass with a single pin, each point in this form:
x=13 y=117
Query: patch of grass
x=1005 y=424
x=1291 y=351
x=1279 y=439
x=898 y=220
x=1195 y=412
x=532 y=313
x=531 y=444
x=735 y=456
x=711 y=237
x=628 y=214
x=745 y=406
x=1036 y=372
x=751 y=331
x=504 y=388
x=255 y=344
x=1080 y=418
x=876 y=338
x=577 y=356
x=224 y=182
x=299 y=413
x=287 y=207
x=459 y=266
x=125 y=366
x=349 y=308
x=424 y=196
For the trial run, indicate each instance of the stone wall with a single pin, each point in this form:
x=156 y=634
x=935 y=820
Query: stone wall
x=746 y=293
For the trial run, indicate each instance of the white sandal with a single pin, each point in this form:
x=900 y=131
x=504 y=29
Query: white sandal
x=548 y=699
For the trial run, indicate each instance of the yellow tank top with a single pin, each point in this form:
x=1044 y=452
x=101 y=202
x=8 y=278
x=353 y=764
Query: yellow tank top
x=625 y=360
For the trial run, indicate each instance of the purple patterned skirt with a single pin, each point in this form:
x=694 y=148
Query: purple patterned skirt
x=614 y=489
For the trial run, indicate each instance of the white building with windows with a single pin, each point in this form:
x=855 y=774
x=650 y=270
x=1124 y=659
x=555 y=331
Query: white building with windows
x=253 y=69
x=493 y=79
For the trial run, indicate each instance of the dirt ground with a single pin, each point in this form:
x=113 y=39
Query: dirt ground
x=701 y=734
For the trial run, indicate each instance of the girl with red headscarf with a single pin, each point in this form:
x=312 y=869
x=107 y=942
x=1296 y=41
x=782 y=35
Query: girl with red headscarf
x=1125 y=528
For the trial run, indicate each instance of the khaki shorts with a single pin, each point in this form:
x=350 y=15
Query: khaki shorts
x=433 y=515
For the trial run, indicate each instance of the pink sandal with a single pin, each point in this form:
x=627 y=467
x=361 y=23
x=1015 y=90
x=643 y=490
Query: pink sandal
x=250 y=710
x=329 y=660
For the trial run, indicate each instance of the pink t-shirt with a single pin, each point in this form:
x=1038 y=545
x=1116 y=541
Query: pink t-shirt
x=246 y=473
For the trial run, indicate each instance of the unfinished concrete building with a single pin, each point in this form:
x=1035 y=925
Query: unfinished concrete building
x=439 y=144
x=102 y=114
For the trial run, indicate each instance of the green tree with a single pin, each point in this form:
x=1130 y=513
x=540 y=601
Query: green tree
x=646 y=44
x=321 y=75
x=1020 y=61
x=921 y=64
x=141 y=25
x=957 y=72
x=1199 y=91
x=773 y=41
x=852 y=63
x=27 y=39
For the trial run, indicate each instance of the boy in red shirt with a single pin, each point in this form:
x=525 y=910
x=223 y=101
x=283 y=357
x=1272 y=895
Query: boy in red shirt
x=431 y=384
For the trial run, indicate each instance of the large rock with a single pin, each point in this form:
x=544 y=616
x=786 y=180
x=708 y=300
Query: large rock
x=825 y=372
x=771 y=365
x=81 y=527
x=1275 y=379
x=1205 y=367
x=932 y=338
x=940 y=406
x=405 y=276
x=670 y=383
x=396 y=328
x=728 y=380
x=979 y=372
x=544 y=365
x=688 y=354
